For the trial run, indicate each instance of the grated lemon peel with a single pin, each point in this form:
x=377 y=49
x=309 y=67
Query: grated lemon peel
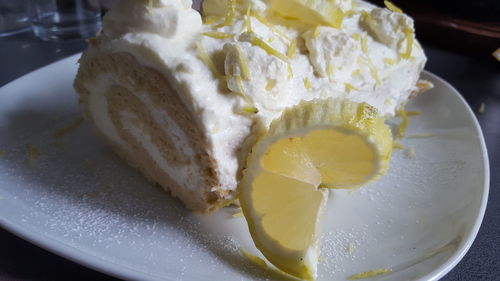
x=369 y=274
x=350 y=87
x=265 y=22
x=218 y=35
x=248 y=22
x=270 y=84
x=67 y=129
x=243 y=63
x=390 y=61
x=203 y=56
x=392 y=7
x=482 y=108
x=307 y=84
x=409 y=43
x=404 y=123
x=329 y=70
x=256 y=41
x=291 y=49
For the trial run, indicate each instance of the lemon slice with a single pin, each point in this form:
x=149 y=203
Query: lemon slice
x=316 y=144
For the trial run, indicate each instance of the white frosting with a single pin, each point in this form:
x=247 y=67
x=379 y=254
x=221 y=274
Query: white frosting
x=164 y=36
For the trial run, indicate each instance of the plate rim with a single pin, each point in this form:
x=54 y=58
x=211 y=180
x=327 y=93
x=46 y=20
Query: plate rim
x=110 y=268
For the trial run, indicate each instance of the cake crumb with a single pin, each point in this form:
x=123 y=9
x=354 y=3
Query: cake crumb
x=368 y=274
x=482 y=107
x=2 y=153
x=63 y=131
x=410 y=153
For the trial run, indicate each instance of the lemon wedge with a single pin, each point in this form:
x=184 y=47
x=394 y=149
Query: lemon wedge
x=316 y=144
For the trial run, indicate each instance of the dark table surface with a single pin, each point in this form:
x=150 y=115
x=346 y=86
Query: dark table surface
x=477 y=79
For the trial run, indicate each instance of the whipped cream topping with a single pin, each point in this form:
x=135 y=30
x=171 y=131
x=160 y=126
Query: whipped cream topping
x=241 y=68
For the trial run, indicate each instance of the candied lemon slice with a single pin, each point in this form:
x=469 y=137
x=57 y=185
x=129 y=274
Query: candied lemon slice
x=316 y=144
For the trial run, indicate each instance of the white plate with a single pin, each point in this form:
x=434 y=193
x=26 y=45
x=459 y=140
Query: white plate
x=419 y=220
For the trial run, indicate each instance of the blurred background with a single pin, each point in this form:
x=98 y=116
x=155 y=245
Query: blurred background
x=470 y=27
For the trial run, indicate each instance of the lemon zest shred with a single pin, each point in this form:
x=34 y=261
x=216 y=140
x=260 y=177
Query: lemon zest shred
x=356 y=36
x=350 y=87
x=390 y=61
x=365 y=15
x=63 y=131
x=370 y=273
x=392 y=7
x=256 y=41
x=329 y=69
x=33 y=153
x=409 y=43
x=270 y=25
x=270 y=84
x=243 y=62
x=239 y=83
x=248 y=22
x=291 y=49
x=218 y=35
x=307 y=84
x=412 y=113
x=356 y=72
x=249 y=109
x=364 y=44
x=258 y=261
x=404 y=123
x=290 y=70
x=202 y=54
x=482 y=108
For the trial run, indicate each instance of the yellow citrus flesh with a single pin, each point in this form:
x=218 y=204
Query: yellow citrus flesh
x=316 y=144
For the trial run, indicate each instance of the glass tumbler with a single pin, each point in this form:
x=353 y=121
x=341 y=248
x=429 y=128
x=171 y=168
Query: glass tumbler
x=54 y=20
